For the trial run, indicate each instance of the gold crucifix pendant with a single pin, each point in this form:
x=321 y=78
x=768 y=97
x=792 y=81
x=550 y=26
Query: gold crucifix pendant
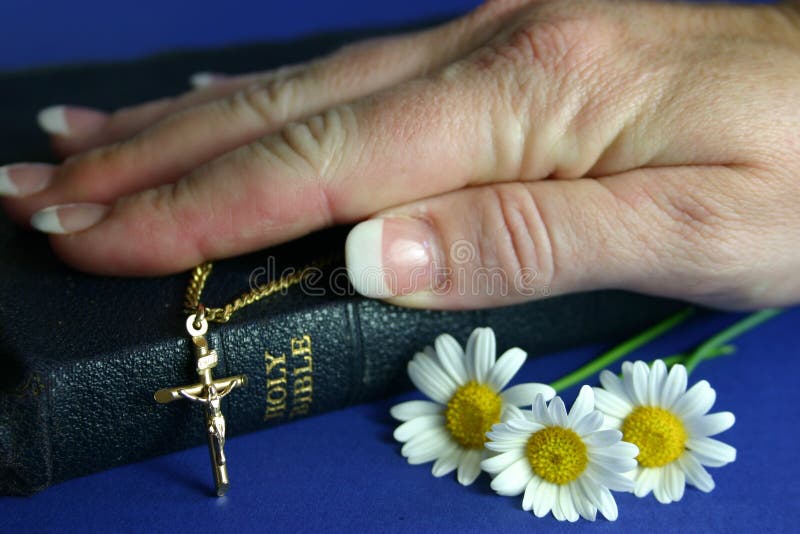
x=208 y=392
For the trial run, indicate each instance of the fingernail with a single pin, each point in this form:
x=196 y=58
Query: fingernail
x=68 y=218
x=204 y=79
x=71 y=121
x=392 y=257
x=23 y=179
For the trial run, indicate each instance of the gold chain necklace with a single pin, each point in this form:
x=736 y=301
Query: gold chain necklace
x=201 y=273
x=210 y=391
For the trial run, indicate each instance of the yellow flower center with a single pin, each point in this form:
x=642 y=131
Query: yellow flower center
x=557 y=454
x=471 y=412
x=657 y=432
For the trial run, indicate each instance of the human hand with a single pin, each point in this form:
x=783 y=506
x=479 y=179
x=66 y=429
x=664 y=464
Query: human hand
x=565 y=145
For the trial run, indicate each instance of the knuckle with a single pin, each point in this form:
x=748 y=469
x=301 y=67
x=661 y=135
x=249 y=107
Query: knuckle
x=86 y=175
x=314 y=147
x=706 y=241
x=561 y=38
x=515 y=237
x=271 y=99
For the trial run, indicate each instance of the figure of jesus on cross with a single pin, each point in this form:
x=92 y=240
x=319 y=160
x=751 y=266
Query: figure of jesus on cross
x=208 y=392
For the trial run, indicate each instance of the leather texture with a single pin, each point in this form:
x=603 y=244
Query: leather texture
x=83 y=355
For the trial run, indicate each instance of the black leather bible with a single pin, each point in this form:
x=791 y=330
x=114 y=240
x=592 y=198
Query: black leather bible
x=82 y=355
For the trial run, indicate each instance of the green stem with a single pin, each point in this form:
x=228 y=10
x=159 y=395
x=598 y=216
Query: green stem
x=708 y=347
x=724 y=350
x=604 y=360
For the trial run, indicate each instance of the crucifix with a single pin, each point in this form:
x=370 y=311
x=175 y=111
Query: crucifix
x=208 y=392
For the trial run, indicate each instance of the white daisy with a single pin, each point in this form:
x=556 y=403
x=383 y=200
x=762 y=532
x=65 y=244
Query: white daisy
x=468 y=398
x=670 y=425
x=562 y=462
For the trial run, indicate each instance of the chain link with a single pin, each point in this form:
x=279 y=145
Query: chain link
x=200 y=276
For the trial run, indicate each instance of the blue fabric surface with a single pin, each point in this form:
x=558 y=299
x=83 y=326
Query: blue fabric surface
x=343 y=472
x=45 y=32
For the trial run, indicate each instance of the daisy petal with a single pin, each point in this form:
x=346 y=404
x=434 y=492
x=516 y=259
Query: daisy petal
x=524 y=426
x=581 y=502
x=405 y=411
x=430 y=379
x=558 y=412
x=539 y=410
x=655 y=382
x=582 y=406
x=446 y=463
x=602 y=438
x=567 y=506
x=427 y=444
x=506 y=367
x=501 y=462
x=697 y=401
x=469 y=467
x=591 y=490
x=513 y=479
x=451 y=358
x=660 y=490
x=607 y=505
x=610 y=479
x=636 y=382
x=612 y=422
x=591 y=422
x=613 y=385
x=623 y=449
x=711 y=449
x=531 y=491
x=676 y=481
x=484 y=355
x=501 y=432
x=411 y=428
x=674 y=385
x=557 y=512
x=645 y=481
x=524 y=394
x=509 y=412
x=612 y=404
x=505 y=445
x=620 y=465
x=709 y=425
x=469 y=354
x=545 y=499
x=429 y=456
x=696 y=475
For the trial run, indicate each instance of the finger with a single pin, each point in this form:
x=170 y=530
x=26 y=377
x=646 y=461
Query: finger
x=287 y=93
x=677 y=232
x=75 y=129
x=182 y=142
x=310 y=175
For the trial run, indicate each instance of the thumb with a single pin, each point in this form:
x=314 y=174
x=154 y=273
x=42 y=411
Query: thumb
x=665 y=231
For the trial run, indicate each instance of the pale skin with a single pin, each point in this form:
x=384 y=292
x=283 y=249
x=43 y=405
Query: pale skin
x=648 y=147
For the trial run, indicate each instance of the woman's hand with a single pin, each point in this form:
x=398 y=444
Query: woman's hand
x=560 y=146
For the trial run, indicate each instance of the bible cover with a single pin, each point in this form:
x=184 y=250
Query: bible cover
x=83 y=355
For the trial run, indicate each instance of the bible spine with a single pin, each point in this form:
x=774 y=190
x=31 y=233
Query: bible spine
x=79 y=415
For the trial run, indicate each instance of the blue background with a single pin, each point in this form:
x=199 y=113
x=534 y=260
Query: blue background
x=342 y=471
x=41 y=32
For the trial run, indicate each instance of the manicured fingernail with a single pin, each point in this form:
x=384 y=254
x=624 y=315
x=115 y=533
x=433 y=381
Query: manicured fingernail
x=68 y=218
x=204 y=79
x=71 y=121
x=23 y=179
x=392 y=257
